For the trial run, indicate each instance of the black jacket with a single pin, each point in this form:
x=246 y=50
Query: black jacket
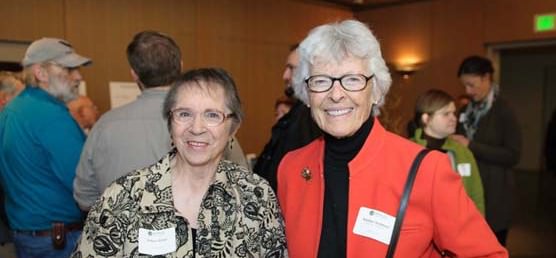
x=294 y=130
x=497 y=149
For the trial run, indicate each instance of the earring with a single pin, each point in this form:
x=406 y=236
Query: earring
x=230 y=143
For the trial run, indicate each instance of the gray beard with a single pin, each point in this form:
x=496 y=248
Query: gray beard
x=60 y=91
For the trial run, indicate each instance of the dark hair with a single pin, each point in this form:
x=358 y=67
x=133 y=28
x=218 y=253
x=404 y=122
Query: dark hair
x=430 y=102
x=155 y=58
x=476 y=65
x=219 y=78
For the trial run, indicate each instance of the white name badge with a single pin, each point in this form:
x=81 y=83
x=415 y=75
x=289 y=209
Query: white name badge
x=462 y=117
x=374 y=224
x=464 y=169
x=157 y=242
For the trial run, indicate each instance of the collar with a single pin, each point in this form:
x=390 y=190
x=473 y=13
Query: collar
x=40 y=93
x=371 y=148
x=449 y=144
x=221 y=189
x=154 y=92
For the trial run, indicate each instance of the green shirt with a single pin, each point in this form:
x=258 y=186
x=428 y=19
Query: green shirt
x=464 y=163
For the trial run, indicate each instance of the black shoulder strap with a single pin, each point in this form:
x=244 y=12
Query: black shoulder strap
x=403 y=203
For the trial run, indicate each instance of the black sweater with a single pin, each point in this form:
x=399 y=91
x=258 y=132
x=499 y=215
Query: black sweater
x=337 y=154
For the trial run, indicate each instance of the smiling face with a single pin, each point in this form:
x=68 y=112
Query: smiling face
x=338 y=112
x=442 y=122
x=198 y=144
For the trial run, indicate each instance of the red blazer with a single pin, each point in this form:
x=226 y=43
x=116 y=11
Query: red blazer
x=439 y=212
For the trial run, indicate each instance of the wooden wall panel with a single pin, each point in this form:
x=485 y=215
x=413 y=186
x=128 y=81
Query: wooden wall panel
x=272 y=27
x=102 y=30
x=513 y=20
x=248 y=38
x=444 y=32
x=27 y=20
x=457 y=32
x=405 y=35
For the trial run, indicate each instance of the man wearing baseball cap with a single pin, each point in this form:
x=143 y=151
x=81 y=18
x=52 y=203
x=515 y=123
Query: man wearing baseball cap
x=40 y=144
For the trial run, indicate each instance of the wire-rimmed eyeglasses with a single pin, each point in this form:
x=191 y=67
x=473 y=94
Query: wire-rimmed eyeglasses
x=209 y=117
x=349 y=82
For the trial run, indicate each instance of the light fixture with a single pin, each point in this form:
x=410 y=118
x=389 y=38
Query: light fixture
x=407 y=69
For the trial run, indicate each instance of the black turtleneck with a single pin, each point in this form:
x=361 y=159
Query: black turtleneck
x=432 y=142
x=337 y=154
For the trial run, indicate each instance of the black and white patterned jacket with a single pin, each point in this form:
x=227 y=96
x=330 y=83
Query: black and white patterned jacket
x=239 y=216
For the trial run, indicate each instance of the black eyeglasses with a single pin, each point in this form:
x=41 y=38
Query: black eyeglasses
x=349 y=82
x=210 y=117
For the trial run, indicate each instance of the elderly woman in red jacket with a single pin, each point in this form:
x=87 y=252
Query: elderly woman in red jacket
x=340 y=194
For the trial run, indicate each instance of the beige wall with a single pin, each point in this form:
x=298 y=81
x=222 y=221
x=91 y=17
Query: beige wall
x=249 y=38
x=440 y=33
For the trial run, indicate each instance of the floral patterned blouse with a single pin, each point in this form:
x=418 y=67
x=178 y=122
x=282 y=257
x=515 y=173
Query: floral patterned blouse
x=239 y=217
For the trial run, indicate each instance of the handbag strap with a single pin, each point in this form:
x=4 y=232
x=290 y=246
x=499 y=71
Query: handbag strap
x=403 y=203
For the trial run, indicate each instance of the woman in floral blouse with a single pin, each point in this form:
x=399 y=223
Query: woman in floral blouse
x=192 y=203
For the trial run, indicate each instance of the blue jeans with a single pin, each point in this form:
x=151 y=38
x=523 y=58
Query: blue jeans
x=29 y=246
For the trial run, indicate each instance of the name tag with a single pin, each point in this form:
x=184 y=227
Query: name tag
x=464 y=169
x=374 y=224
x=462 y=117
x=157 y=242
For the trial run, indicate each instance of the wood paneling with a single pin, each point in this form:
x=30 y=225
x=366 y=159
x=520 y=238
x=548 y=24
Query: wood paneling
x=248 y=38
x=405 y=35
x=102 y=30
x=513 y=20
x=27 y=20
x=443 y=32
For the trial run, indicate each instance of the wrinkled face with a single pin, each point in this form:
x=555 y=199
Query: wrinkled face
x=291 y=64
x=338 y=112
x=197 y=143
x=476 y=86
x=442 y=123
x=63 y=82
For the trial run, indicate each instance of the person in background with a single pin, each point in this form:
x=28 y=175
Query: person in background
x=340 y=193
x=192 y=202
x=435 y=113
x=293 y=130
x=282 y=106
x=10 y=86
x=40 y=145
x=134 y=136
x=489 y=128
x=84 y=111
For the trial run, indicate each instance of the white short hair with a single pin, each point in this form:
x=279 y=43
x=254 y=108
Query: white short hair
x=336 y=41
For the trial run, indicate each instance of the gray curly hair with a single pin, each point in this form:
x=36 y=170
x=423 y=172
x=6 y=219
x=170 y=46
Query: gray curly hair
x=334 y=42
